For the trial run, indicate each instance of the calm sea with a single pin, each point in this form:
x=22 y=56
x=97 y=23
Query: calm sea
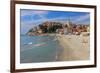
x=39 y=49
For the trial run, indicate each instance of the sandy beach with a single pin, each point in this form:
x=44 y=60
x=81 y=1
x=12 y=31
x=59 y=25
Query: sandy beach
x=75 y=47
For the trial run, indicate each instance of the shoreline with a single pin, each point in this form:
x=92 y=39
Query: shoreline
x=75 y=47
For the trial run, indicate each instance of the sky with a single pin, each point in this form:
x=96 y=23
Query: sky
x=30 y=18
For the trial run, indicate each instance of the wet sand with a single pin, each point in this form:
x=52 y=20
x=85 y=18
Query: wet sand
x=75 y=47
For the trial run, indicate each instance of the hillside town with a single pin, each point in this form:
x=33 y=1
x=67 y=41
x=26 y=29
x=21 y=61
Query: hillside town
x=59 y=28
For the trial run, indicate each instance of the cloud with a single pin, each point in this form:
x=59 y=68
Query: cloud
x=29 y=16
x=40 y=12
x=31 y=12
x=82 y=18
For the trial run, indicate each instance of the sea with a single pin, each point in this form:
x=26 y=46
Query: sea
x=35 y=49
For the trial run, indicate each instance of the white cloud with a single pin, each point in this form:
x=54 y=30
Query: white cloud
x=31 y=12
x=41 y=14
x=81 y=18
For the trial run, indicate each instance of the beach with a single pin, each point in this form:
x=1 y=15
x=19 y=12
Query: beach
x=75 y=47
x=54 y=47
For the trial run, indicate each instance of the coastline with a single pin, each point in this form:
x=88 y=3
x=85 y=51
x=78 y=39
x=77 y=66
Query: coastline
x=75 y=47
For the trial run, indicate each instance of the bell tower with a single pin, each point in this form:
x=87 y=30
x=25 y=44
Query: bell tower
x=69 y=24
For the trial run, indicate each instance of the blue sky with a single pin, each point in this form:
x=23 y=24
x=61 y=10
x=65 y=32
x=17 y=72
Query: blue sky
x=31 y=18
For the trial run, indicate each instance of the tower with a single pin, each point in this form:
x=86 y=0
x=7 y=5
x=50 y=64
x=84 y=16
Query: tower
x=69 y=24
